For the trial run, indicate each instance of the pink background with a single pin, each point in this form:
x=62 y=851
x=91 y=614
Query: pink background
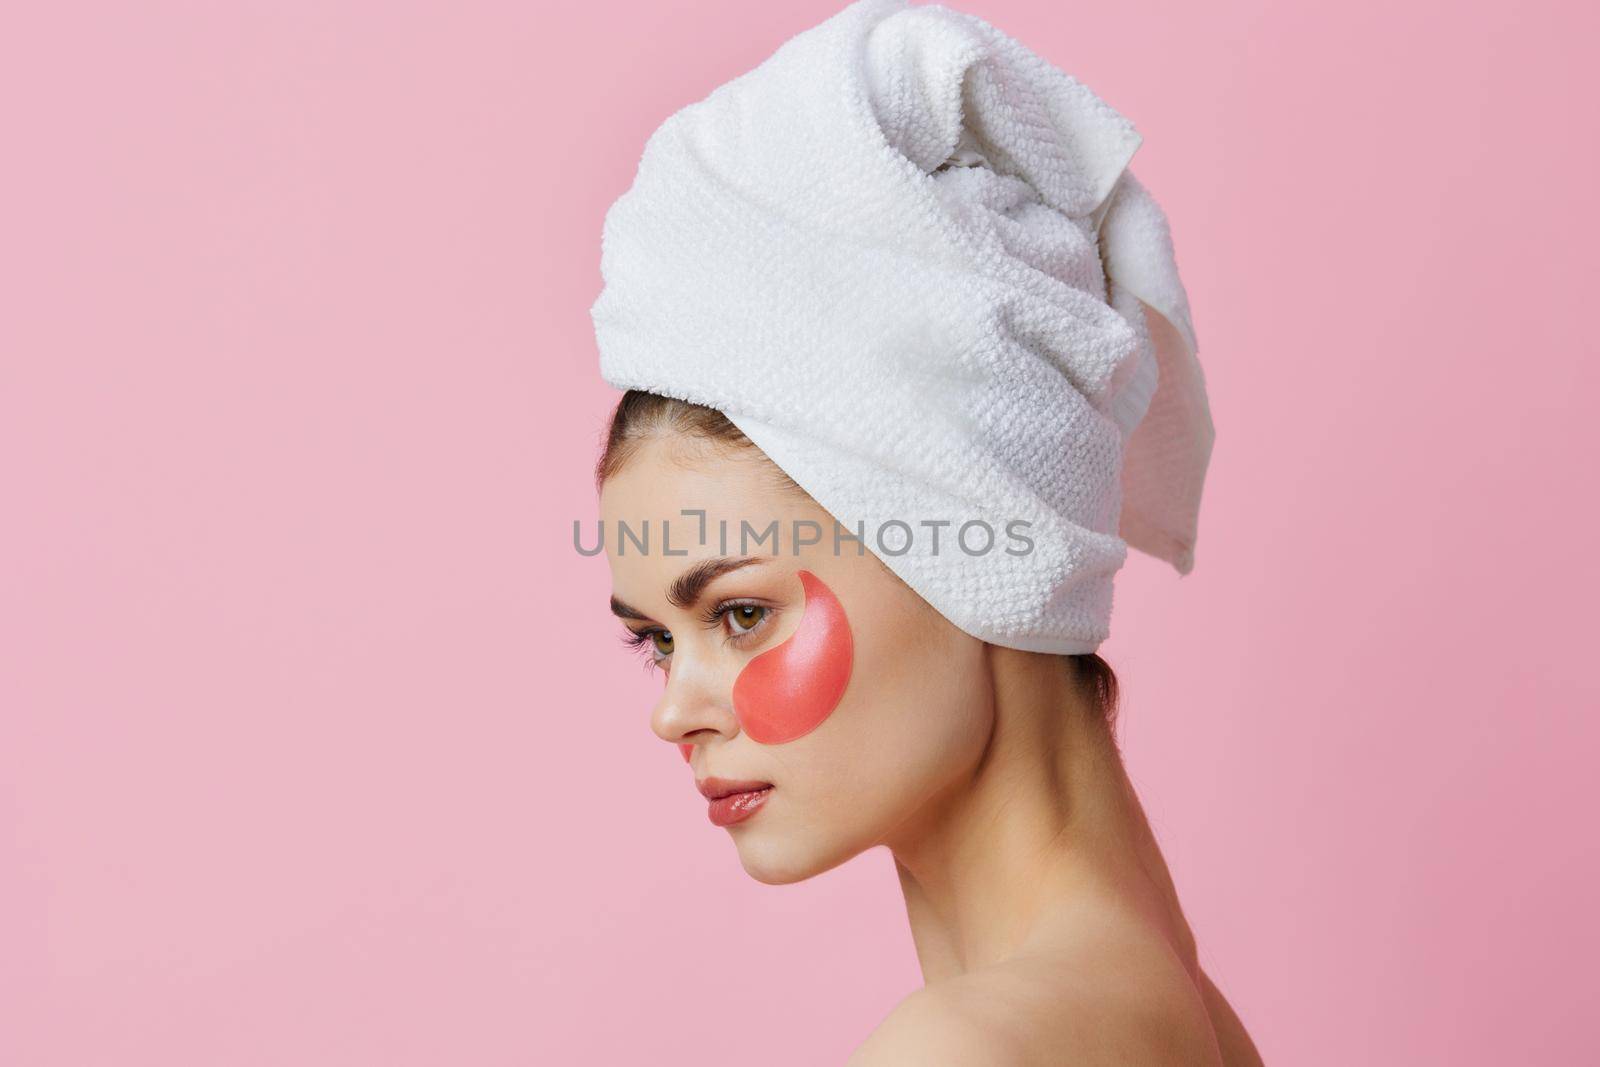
x=316 y=745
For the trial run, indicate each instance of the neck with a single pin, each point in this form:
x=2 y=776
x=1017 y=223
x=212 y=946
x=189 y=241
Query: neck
x=1045 y=826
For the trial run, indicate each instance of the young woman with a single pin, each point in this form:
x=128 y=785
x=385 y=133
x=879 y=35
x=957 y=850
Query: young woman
x=1045 y=921
x=908 y=368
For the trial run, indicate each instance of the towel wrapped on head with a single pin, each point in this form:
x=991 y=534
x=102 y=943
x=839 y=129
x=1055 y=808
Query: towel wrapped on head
x=906 y=256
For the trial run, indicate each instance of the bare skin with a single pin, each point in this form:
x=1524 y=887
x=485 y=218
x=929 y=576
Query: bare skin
x=1045 y=921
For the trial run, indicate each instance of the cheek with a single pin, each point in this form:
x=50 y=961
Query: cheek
x=790 y=690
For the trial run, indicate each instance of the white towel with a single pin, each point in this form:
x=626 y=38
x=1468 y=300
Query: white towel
x=905 y=255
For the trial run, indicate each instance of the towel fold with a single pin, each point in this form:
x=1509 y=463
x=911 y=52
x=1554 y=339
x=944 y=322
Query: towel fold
x=907 y=257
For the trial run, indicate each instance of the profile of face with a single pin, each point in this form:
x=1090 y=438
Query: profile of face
x=819 y=672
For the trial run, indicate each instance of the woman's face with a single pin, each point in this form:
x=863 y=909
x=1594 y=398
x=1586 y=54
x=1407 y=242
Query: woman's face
x=858 y=720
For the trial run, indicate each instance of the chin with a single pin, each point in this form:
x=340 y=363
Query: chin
x=773 y=861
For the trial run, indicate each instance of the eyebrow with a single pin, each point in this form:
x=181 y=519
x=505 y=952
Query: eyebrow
x=687 y=587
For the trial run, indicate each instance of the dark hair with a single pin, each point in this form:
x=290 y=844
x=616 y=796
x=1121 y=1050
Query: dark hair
x=640 y=416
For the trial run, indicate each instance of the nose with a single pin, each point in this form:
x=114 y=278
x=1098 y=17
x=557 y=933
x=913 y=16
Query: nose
x=696 y=705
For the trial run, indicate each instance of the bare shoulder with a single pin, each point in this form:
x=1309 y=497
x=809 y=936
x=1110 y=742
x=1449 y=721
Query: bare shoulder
x=939 y=1024
x=1048 y=1009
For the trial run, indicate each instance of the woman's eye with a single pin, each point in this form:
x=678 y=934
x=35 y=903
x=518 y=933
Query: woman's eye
x=746 y=617
x=662 y=640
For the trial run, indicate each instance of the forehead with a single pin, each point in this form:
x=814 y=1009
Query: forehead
x=660 y=493
x=660 y=482
x=668 y=476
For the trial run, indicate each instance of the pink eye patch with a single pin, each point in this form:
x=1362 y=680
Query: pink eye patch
x=788 y=691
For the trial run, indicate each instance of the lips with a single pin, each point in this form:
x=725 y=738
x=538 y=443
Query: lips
x=716 y=788
x=732 y=800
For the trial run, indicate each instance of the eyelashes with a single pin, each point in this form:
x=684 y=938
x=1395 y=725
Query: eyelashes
x=640 y=643
x=742 y=630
